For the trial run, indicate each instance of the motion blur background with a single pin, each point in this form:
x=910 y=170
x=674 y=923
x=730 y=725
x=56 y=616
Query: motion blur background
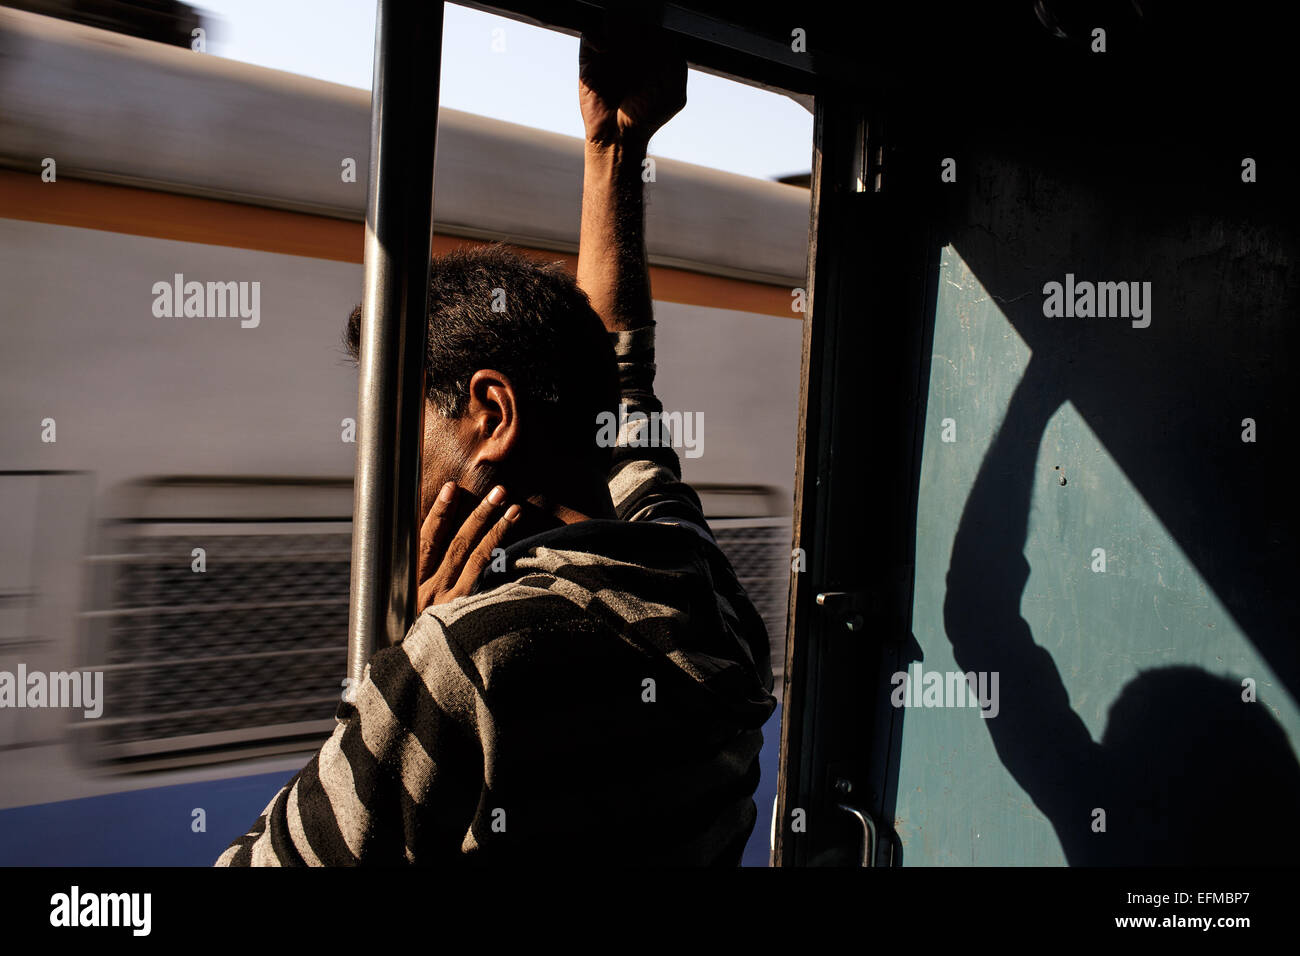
x=210 y=141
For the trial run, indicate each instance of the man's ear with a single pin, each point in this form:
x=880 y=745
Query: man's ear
x=492 y=417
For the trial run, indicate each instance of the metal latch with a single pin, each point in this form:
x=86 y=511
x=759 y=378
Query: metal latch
x=846 y=605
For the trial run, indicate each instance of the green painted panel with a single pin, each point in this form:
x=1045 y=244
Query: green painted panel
x=1176 y=764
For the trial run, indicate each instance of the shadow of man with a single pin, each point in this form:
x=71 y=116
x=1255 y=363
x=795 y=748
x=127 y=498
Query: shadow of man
x=1186 y=773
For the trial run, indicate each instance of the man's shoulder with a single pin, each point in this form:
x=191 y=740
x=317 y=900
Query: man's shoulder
x=590 y=602
x=518 y=618
x=467 y=624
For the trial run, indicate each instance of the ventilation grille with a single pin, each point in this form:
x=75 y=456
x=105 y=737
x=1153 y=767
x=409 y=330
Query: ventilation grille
x=251 y=652
x=759 y=552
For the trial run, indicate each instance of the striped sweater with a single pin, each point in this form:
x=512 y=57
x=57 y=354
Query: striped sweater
x=597 y=701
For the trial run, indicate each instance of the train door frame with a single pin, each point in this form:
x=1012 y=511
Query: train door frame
x=873 y=263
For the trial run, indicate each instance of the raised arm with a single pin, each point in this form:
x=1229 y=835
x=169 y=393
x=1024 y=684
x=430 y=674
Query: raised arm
x=628 y=88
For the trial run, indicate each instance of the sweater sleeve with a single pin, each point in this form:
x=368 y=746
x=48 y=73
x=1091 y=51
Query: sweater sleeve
x=645 y=479
x=646 y=484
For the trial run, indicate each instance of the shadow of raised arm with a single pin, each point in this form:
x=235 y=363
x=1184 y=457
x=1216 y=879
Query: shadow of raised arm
x=1038 y=737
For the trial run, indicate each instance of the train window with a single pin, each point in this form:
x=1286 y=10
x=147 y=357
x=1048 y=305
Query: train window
x=727 y=214
x=726 y=228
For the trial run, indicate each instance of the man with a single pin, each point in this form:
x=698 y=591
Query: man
x=595 y=692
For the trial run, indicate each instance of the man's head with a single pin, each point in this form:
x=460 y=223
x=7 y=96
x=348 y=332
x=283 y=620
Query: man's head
x=518 y=368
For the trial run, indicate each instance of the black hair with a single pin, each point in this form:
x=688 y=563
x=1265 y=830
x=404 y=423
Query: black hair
x=489 y=307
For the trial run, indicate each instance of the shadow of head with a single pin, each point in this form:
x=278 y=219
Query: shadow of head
x=1200 y=776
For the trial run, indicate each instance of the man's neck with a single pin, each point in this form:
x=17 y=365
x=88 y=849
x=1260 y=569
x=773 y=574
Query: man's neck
x=545 y=510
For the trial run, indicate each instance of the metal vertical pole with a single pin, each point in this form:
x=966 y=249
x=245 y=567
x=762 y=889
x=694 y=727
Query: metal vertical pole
x=390 y=400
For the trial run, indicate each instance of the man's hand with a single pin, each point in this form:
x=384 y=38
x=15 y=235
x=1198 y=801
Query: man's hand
x=451 y=563
x=629 y=86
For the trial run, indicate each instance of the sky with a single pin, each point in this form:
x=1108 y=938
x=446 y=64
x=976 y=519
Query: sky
x=532 y=81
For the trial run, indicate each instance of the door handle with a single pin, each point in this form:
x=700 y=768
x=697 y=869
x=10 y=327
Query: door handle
x=868 y=832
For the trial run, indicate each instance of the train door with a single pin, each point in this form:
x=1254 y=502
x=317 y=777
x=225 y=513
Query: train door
x=1047 y=612
x=47 y=518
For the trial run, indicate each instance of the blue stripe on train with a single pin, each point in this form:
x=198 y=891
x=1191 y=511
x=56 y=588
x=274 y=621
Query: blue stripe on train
x=153 y=827
x=757 y=850
x=138 y=827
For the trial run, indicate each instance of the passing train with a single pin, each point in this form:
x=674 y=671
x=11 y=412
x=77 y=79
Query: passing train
x=177 y=489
